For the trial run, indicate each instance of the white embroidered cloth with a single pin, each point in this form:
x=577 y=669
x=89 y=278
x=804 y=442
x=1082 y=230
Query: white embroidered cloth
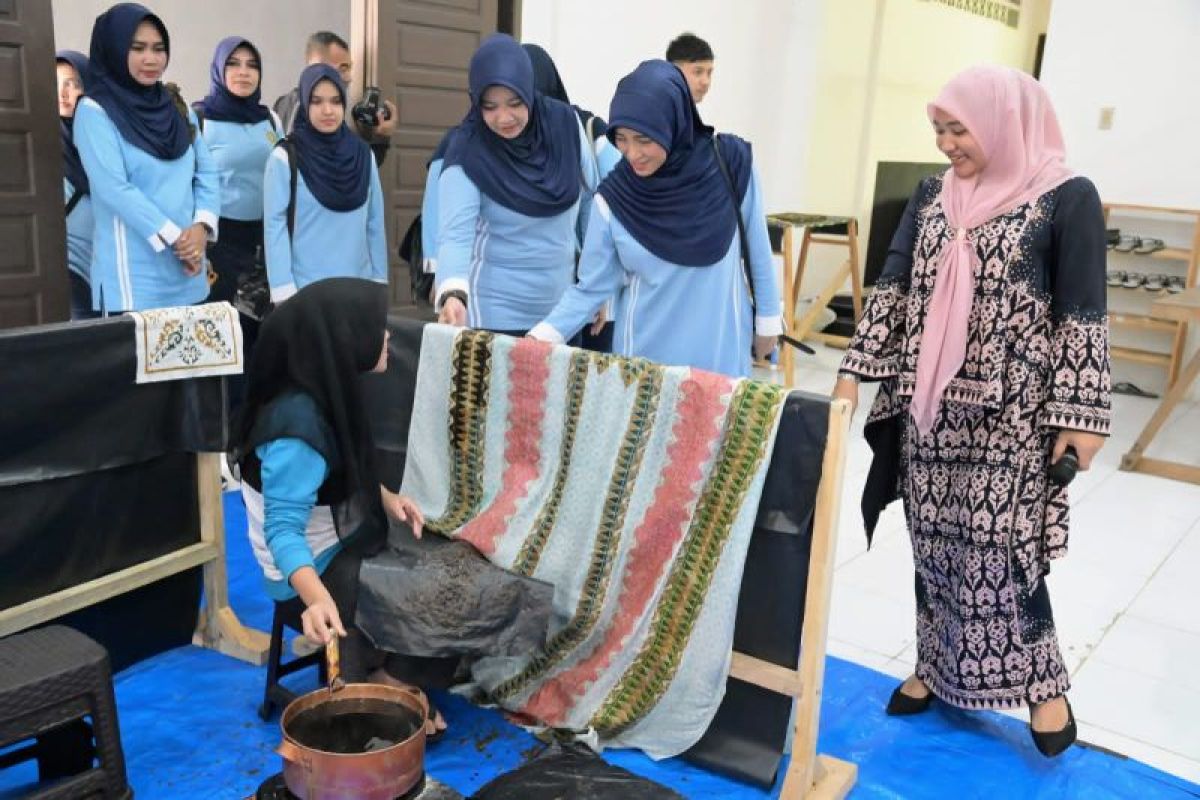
x=187 y=342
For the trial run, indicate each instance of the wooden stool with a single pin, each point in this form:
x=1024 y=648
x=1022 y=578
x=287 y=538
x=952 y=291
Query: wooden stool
x=50 y=680
x=819 y=229
x=275 y=694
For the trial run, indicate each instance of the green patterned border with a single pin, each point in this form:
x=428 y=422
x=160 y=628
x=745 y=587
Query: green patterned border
x=629 y=459
x=753 y=411
x=535 y=543
x=471 y=362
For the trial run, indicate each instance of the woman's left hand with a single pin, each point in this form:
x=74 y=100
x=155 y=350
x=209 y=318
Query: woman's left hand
x=403 y=508
x=1086 y=446
x=189 y=247
x=764 y=346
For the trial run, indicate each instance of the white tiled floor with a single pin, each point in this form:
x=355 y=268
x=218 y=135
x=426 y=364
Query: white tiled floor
x=1126 y=598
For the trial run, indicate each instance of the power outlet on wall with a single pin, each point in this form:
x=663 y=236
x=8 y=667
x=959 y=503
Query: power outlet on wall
x=1106 y=118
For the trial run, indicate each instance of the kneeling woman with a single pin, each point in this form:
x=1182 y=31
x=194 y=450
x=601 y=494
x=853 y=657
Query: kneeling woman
x=336 y=226
x=665 y=227
x=313 y=502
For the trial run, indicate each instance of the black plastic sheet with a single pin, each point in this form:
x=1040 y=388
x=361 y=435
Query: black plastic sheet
x=572 y=771
x=440 y=598
x=97 y=473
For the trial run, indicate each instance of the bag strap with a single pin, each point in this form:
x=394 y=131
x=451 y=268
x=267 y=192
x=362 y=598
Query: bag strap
x=286 y=144
x=745 y=247
x=74 y=201
x=198 y=110
x=741 y=227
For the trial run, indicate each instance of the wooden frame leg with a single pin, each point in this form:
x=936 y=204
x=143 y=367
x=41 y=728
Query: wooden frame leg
x=219 y=627
x=1136 y=461
x=787 y=358
x=808 y=775
x=856 y=281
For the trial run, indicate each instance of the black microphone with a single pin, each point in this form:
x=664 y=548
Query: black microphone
x=1063 y=471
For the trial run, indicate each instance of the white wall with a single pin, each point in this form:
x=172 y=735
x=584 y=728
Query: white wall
x=765 y=66
x=278 y=28
x=1143 y=59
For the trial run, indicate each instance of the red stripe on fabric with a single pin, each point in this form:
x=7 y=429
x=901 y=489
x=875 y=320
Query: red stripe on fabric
x=529 y=370
x=697 y=428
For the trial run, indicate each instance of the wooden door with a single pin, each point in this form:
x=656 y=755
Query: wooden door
x=33 y=248
x=422 y=48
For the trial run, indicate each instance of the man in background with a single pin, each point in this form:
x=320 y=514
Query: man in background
x=694 y=58
x=324 y=47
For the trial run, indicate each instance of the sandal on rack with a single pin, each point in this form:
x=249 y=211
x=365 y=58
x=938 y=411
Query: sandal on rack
x=1115 y=277
x=1126 y=244
x=1155 y=283
x=1149 y=246
x=1134 y=280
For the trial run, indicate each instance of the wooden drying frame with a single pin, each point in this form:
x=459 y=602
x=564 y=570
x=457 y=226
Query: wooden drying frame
x=218 y=628
x=810 y=775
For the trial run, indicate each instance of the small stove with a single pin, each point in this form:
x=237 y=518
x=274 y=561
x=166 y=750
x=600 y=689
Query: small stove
x=274 y=788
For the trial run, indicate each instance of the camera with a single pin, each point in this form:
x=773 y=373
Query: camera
x=365 y=110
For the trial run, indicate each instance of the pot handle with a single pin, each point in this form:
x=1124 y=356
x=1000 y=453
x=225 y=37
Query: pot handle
x=290 y=752
x=421 y=698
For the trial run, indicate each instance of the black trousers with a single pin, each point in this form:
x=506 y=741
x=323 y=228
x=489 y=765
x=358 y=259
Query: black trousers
x=234 y=254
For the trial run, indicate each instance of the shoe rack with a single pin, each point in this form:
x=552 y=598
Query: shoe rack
x=1178 y=261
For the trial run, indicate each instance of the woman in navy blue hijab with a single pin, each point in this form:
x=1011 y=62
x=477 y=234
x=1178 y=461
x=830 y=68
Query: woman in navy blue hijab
x=155 y=190
x=516 y=177
x=336 y=228
x=665 y=227
x=240 y=132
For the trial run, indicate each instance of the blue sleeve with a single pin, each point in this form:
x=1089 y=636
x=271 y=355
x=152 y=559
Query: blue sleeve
x=277 y=244
x=292 y=472
x=429 y=217
x=100 y=151
x=590 y=179
x=600 y=276
x=458 y=213
x=607 y=156
x=377 y=230
x=768 y=319
x=206 y=183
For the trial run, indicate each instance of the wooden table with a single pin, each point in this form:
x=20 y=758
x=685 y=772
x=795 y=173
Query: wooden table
x=1183 y=307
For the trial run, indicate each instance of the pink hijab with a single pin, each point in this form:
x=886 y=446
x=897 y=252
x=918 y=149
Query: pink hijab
x=1009 y=114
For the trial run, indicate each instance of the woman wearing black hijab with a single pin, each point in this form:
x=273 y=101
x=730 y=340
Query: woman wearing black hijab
x=314 y=504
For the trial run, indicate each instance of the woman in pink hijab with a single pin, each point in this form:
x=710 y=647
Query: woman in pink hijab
x=988 y=334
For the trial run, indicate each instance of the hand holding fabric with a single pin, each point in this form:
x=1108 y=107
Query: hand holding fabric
x=403 y=508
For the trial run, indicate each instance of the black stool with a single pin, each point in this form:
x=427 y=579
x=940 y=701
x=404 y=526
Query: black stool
x=276 y=695
x=50 y=679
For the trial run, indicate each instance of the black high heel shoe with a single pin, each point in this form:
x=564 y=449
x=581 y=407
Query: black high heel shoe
x=1053 y=743
x=905 y=705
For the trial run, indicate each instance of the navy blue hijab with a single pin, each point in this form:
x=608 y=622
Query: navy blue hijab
x=684 y=212
x=537 y=173
x=72 y=165
x=336 y=166
x=145 y=116
x=547 y=81
x=222 y=105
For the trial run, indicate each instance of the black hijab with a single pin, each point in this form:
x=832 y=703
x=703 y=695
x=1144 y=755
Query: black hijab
x=72 y=164
x=547 y=81
x=336 y=166
x=320 y=342
x=146 y=116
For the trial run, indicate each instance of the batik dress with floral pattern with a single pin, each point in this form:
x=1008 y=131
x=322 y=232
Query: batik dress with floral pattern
x=984 y=519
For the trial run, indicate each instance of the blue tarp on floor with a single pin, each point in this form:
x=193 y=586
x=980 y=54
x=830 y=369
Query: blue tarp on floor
x=190 y=730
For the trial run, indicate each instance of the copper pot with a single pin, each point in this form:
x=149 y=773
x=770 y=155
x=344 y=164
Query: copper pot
x=389 y=772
